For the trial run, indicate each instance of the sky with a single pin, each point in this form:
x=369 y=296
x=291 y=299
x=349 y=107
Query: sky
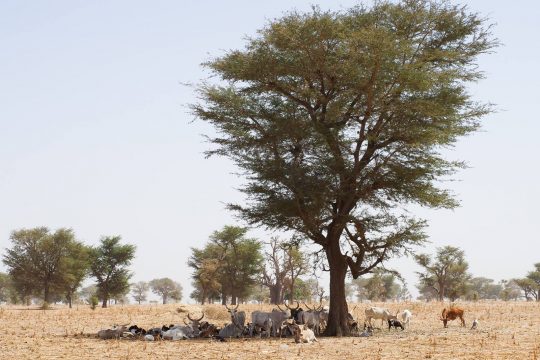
x=96 y=134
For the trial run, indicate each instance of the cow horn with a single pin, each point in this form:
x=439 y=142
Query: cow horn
x=185 y=322
x=199 y=319
x=320 y=307
x=306 y=305
x=296 y=308
x=279 y=307
x=189 y=317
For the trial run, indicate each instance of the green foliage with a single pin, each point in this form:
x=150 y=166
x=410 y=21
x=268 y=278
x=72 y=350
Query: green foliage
x=510 y=291
x=484 y=288
x=302 y=291
x=530 y=285
x=446 y=274
x=94 y=301
x=5 y=287
x=45 y=264
x=285 y=263
x=109 y=262
x=167 y=289
x=229 y=261
x=380 y=286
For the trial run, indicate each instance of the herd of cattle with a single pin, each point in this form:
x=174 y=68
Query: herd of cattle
x=295 y=322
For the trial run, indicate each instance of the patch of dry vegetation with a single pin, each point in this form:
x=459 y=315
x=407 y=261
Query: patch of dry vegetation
x=507 y=331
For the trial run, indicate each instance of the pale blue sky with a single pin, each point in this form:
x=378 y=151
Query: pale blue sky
x=95 y=134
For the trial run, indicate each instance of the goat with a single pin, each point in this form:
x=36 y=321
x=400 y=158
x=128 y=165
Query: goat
x=395 y=323
x=406 y=316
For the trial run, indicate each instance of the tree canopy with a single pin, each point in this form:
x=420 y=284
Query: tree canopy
x=234 y=260
x=44 y=263
x=446 y=273
x=109 y=265
x=337 y=121
x=167 y=289
x=139 y=291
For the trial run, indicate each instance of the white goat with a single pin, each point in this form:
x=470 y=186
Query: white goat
x=406 y=316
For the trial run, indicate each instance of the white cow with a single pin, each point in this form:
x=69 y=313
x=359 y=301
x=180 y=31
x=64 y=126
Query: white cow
x=303 y=334
x=377 y=313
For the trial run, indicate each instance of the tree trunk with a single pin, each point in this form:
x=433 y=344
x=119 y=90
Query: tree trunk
x=233 y=300
x=337 y=317
x=69 y=300
x=441 y=291
x=274 y=294
x=164 y=299
x=104 y=304
x=46 y=295
x=292 y=289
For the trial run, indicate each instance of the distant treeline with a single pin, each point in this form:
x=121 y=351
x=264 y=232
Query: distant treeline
x=49 y=267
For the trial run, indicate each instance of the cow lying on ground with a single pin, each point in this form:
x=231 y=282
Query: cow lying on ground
x=301 y=333
x=114 y=333
x=236 y=328
x=452 y=314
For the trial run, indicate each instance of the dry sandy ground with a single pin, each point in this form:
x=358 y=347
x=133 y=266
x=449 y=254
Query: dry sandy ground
x=507 y=331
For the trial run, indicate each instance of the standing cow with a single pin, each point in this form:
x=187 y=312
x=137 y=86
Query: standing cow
x=375 y=312
x=452 y=314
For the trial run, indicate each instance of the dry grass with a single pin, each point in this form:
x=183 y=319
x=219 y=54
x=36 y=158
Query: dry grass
x=506 y=331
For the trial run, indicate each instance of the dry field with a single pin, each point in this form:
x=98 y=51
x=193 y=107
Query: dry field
x=507 y=331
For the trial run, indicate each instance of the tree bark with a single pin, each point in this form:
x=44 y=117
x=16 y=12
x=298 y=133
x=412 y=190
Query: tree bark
x=275 y=293
x=104 y=304
x=337 y=317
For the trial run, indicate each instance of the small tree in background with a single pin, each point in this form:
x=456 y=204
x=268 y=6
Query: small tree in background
x=483 y=288
x=531 y=283
x=77 y=269
x=86 y=293
x=139 y=291
x=239 y=263
x=446 y=274
x=167 y=289
x=284 y=264
x=510 y=290
x=109 y=262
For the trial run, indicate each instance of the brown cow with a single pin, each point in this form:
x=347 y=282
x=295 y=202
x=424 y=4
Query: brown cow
x=452 y=314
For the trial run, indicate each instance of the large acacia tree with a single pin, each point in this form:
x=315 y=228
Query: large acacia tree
x=337 y=120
